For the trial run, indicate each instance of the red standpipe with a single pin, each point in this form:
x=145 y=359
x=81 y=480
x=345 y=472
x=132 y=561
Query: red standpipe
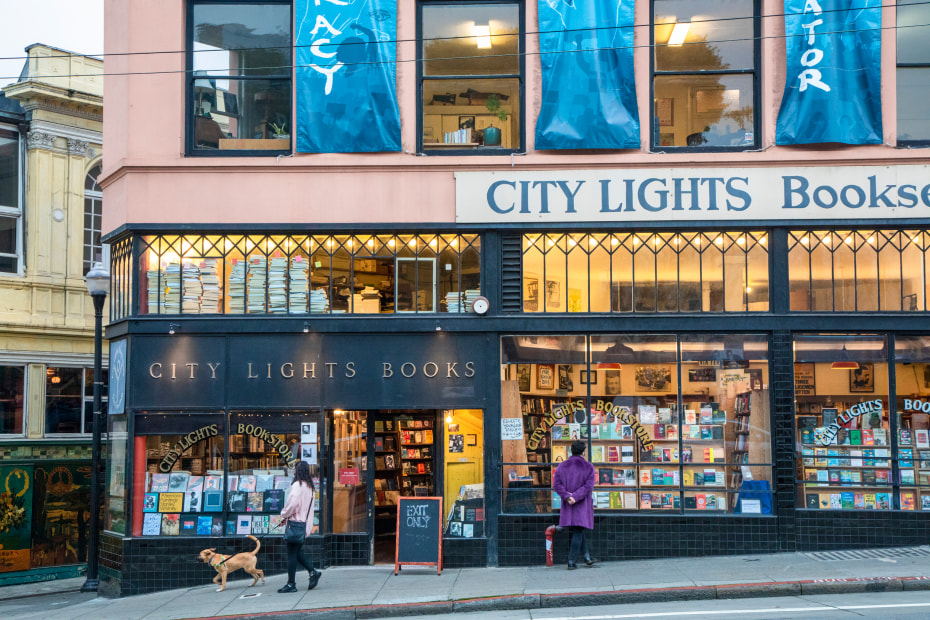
x=550 y=533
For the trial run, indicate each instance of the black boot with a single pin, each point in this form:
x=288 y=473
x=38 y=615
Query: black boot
x=288 y=587
x=314 y=578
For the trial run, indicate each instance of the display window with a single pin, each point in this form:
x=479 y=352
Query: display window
x=912 y=390
x=844 y=439
x=463 y=496
x=672 y=423
x=913 y=72
x=316 y=274
x=179 y=475
x=264 y=449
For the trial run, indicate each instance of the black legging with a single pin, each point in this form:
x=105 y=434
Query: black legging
x=578 y=543
x=295 y=555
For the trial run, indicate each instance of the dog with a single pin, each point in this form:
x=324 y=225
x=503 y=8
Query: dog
x=225 y=564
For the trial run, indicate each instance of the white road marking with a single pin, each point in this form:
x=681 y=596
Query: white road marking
x=708 y=612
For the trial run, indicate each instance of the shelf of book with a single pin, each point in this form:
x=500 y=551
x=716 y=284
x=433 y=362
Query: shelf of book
x=417 y=456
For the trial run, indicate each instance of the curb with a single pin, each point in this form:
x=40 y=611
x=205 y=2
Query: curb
x=611 y=597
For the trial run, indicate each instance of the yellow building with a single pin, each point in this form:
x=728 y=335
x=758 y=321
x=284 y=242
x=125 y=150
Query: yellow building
x=51 y=132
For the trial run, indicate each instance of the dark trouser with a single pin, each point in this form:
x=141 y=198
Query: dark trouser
x=295 y=556
x=578 y=543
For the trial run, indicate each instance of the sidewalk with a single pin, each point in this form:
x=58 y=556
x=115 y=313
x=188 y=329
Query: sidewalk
x=375 y=592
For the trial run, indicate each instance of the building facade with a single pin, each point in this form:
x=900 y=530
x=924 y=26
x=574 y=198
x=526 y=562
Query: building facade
x=654 y=256
x=51 y=137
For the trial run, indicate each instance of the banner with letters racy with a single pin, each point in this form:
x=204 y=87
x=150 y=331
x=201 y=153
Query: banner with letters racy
x=833 y=85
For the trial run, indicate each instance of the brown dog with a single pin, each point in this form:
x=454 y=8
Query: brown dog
x=225 y=564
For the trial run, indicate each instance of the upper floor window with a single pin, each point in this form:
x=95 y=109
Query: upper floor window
x=913 y=74
x=471 y=77
x=12 y=399
x=628 y=271
x=69 y=399
x=93 y=212
x=239 y=80
x=11 y=212
x=704 y=74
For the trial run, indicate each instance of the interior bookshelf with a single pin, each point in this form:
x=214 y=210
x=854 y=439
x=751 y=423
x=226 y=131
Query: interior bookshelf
x=417 y=455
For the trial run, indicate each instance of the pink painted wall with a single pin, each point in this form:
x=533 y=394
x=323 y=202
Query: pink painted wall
x=149 y=179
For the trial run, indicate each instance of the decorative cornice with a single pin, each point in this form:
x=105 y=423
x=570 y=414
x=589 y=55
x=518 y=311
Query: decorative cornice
x=77 y=147
x=40 y=140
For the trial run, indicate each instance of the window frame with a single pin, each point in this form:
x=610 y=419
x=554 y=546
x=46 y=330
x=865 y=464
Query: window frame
x=85 y=400
x=189 y=79
x=654 y=133
x=95 y=198
x=920 y=142
x=25 y=369
x=521 y=79
x=15 y=212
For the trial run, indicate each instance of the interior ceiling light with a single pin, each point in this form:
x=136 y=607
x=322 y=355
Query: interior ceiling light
x=844 y=362
x=483 y=36
x=679 y=33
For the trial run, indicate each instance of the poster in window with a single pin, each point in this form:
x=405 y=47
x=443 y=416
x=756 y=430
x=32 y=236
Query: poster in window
x=545 y=376
x=530 y=292
x=565 y=378
x=553 y=297
x=804 y=384
x=862 y=379
x=588 y=377
x=523 y=377
x=664 y=110
x=653 y=379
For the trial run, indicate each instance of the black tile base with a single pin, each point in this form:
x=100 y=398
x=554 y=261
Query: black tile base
x=826 y=530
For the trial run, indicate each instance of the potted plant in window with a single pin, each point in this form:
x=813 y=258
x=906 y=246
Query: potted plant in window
x=492 y=134
x=279 y=129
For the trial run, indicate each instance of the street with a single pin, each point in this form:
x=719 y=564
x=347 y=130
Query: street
x=865 y=605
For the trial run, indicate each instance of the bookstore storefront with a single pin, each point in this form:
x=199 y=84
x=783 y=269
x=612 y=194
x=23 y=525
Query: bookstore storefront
x=204 y=451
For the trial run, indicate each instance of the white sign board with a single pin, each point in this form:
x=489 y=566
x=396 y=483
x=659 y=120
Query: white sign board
x=693 y=194
x=511 y=428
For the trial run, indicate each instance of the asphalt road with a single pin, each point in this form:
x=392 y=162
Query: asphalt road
x=910 y=605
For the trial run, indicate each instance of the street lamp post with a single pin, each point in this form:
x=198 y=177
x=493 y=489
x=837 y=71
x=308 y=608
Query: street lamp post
x=98 y=283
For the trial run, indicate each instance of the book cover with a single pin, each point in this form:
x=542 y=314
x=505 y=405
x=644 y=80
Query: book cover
x=150 y=502
x=706 y=432
x=867 y=438
x=883 y=501
x=880 y=436
x=820 y=457
x=556 y=501
x=708 y=455
x=217 y=526
x=813 y=500
x=701 y=501
x=188 y=526
x=213 y=483
x=645 y=500
x=686 y=454
x=907 y=476
x=247 y=483
x=869 y=499
x=151 y=524
x=232 y=482
x=671 y=432
x=846 y=500
x=170 y=524
x=177 y=481
x=823 y=475
x=605 y=476
x=859 y=501
x=691 y=416
x=597 y=454
x=836 y=502
x=230 y=527
x=690 y=502
x=626 y=454
x=193 y=501
x=658 y=431
x=244 y=524
x=160 y=483
x=718 y=416
x=237 y=501
x=647 y=414
x=170 y=502
x=904 y=437
x=706 y=415
x=921 y=440
x=907 y=500
x=204 y=526
x=616 y=500
x=925 y=502
x=255 y=502
x=613 y=454
x=212 y=501
x=855 y=437
x=645 y=477
x=716 y=432
x=557 y=432
x=694 y=431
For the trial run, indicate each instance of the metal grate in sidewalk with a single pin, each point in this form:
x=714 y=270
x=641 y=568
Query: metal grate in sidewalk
x=869 y=554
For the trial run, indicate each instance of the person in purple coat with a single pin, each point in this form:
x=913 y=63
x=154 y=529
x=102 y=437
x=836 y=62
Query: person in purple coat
x=574 y=481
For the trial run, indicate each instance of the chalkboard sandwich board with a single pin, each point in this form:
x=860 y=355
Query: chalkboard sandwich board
x=419 y=532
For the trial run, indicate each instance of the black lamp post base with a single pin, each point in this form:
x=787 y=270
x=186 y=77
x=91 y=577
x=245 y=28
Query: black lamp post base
x=90 y=585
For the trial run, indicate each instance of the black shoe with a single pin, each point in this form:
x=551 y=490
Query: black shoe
x=589 y=561
x=288 y=587
x=572 y=566
x=314 y=579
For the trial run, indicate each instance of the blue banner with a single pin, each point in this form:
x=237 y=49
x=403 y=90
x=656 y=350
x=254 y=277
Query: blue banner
x=588 y=90
x=346 y=76
x=833 y=85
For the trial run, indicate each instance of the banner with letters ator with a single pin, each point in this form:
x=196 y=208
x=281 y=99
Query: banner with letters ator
x=588 y=92
x=833 y=84
x=346 y=76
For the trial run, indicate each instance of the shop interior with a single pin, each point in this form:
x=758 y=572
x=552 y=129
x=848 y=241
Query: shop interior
x=381 y=455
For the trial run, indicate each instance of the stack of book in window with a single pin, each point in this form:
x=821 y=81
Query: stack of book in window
x=454 y=301
x=277 y=285
x=318 y=300
x=237 y=287
x=297 y=285
x=156 y=290
x=210 y=299
x=471 y=295
x=191 y=289
x=255 y=294
x=172 y=301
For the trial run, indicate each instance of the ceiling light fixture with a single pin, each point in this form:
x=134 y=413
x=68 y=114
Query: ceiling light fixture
x=679 y=33
x=483 y=36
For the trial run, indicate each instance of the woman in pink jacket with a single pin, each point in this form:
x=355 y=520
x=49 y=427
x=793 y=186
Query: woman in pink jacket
x=299 y=507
